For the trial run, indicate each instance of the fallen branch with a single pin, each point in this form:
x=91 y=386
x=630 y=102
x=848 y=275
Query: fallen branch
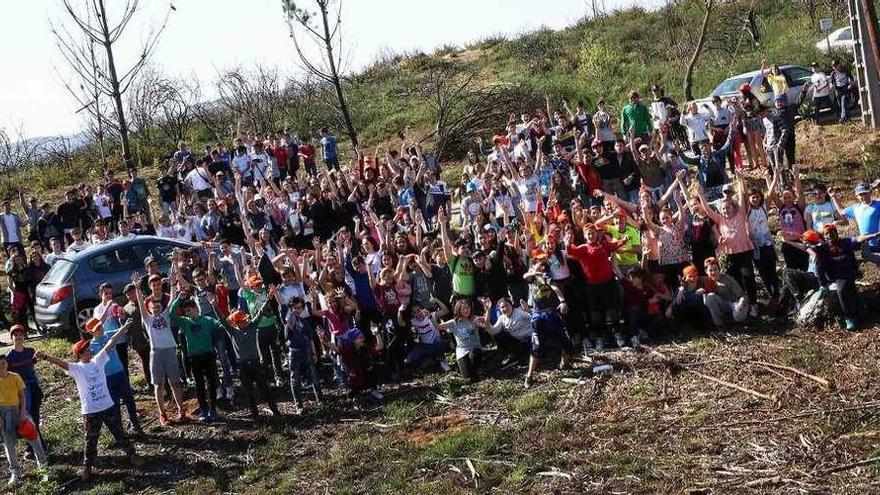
x=558 y=474
x=824 y=383
x=792 y=416
x=844 y=467
x=704 y=376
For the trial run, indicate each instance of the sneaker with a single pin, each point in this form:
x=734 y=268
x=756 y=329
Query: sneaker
x=279 y=382
x=29 y=453
x=850 y=324
x=230 y=393
x=297 y=409
x=636 y=341
x=219 y=395
x=600 y=344
x=203 y=417
x=13 y=480
x=507 y=361
x=213 y=416
x=445 y=367
x=376 y=394
x=618 y=338
x=528 y=382
x=753 y=311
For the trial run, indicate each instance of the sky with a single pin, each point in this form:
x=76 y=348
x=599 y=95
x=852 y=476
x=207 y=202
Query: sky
x=205 y=36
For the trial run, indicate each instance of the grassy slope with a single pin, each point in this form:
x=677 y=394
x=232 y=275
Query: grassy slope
x=650 y=428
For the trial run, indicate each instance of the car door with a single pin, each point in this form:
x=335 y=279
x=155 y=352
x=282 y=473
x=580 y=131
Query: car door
x=114 y=266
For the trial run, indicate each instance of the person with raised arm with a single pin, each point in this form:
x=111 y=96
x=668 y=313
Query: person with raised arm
x=96 y=404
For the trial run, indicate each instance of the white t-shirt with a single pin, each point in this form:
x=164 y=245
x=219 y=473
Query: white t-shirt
x=102 y=205
x=197 y=179
x=243 y=165
x=91 y=383
x=426 y=330
x=77 y=247
x=11 y=227
x=528 y=189
x=159 y=331
x=286 y=293
x=696 y=126
x=821 y=85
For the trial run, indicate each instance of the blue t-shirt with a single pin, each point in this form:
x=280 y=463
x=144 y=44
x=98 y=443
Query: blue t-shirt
x=328 y=147
x=22 y=363
x=867 y=216
x=114 y=364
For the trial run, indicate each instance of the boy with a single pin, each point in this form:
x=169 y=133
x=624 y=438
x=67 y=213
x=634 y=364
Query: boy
x=244 y=331
x=96 y=404
x=13 y=412
x=428 y=341
x=198 y=331
x=299 y=336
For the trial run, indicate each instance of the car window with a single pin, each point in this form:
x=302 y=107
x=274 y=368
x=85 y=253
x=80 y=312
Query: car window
x=59 y=272
x=732 y=85
x=797 y=76
x=161 y=252
x=113 y=261
x=845 y=35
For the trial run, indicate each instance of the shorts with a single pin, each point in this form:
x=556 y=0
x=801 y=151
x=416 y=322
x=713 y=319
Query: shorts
x=548 y=333
x=164 y=366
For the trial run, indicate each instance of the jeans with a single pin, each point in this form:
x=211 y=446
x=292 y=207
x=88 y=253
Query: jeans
x=120 y=392
x=10 y=417
x=204 y=370
x=848 y=296
x=719 y=308
x=225 y=362
x=92 y=429
x=420 y=352
x=270 y=350
x=252 y=377
x=469 y=364
x=842 y=97
x=740 y=268
x=302 y=361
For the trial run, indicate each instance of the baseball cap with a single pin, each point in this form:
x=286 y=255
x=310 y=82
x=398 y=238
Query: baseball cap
x=781 y=97
x=729 y=187
x=471 y=187
x=489 y=228
x=863 y=188
x=148 y=260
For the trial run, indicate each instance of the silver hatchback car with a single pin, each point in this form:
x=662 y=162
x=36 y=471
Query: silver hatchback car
x=68 y=294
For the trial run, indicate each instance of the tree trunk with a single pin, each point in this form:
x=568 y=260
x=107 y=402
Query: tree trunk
x=698 y=50
x=117 y=95
x=337 y=82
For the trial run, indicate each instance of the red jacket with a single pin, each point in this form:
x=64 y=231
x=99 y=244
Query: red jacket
x=595 y=260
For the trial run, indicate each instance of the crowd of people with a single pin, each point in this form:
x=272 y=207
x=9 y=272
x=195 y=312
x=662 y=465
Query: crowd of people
x=569 y=232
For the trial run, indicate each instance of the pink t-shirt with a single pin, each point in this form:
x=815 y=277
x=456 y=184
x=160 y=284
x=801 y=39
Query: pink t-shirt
x=735 y=234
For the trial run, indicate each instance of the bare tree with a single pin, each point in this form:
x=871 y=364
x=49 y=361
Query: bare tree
x=16 y=150
x=143 y=103
x=709 y=5
x=463 y=109
x=176 y=108
x=323 y=36
x=91 y=23
x=255 y=96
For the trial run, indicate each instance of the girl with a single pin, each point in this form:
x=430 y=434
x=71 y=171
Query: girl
x=13 y=411
x=428 y=342
x=791 y=218
x=754 y=129
x=734 y=241
x=21 y=361
x=696 y=124
x=671 y=240
x=764 y=256
x=468 y=349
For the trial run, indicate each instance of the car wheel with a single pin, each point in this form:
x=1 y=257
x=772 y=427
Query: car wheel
x=84 y=312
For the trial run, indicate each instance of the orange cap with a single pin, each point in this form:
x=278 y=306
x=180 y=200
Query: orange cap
x=79 y=347
x=255 y=281
x=237 y=318
x=811 y=237
x=92 y=325
x=690 y=271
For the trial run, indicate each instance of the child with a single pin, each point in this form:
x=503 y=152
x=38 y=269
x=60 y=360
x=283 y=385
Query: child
x=428 y=341
x=244 y=333
x=163 y=352
x=96 y=404
x=688 y=308
x=639 y=300
x=299 y=337
x=21 y=361
x=468 y=349
x=724 y=296
x=199 y=333
x=357 y=359
x=548 y=328
x=13 y=412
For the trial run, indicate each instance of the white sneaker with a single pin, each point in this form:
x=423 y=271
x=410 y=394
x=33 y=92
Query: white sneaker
x=230 y=392
x=636 y=341
x=13 y=480
x=600 y=344
x=445 y=367
x=618 y=338
x=376 y=394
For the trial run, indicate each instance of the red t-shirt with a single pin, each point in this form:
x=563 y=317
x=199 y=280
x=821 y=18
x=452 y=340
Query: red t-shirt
x=309 y=151
x=281 y=156
x=595 y=260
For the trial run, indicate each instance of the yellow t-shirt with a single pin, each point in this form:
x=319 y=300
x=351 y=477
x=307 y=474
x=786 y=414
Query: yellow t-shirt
x=633 y=240
x=777 y=83
x=10 y=386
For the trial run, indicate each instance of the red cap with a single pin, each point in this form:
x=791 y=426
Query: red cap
x=79 y=347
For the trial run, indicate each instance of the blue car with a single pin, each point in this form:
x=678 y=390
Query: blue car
x=68 y=294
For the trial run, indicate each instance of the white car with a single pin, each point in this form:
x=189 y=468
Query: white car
x=840 y=40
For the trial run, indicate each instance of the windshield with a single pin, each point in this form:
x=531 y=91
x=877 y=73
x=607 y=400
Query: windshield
x=59 y=272
x=731 y=85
